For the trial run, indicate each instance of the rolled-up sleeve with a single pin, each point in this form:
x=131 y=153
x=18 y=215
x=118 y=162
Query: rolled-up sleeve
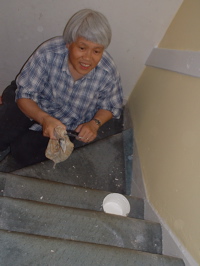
x=31 y=78
x=111 y=97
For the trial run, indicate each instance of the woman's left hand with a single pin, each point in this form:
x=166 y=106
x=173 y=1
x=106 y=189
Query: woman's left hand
x=87 y=131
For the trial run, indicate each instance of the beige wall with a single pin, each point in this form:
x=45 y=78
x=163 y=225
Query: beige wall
x=184 y=32
x=165 y=107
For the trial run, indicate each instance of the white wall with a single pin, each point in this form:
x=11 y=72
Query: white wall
x=137 y=27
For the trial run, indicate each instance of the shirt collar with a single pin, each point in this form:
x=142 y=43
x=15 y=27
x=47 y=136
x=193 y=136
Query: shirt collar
x=65 y=62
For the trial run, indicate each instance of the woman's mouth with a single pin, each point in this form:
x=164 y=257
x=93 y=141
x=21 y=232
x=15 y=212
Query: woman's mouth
x=84 y=66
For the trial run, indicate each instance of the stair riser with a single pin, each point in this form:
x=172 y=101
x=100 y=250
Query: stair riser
x=21 y=250
x=82 y=225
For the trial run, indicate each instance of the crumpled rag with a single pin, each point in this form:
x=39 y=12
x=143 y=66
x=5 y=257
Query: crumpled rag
x=59 y=149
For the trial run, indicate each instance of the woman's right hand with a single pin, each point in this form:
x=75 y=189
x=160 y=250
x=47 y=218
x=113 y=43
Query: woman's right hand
x=48 y=124
x=33 y=111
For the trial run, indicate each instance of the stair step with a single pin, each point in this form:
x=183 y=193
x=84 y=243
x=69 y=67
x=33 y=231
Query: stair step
x=100 y=165
x=112 y=127
x=15 y=186
x=21 y=249
x=77 y=224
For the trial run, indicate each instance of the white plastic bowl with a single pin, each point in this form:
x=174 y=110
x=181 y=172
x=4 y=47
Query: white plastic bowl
x=116 y=203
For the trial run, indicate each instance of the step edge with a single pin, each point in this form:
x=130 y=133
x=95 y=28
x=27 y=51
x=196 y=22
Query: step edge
x=82 y=210
x=88 y=243
x=65 y=184
x=138 y=217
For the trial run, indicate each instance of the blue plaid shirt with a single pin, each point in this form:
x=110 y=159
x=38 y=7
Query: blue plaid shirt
x=46 y=79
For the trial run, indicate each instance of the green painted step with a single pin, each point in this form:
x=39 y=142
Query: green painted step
x=15 y=186
x=112 y=127
x=25 y=250
x=81 y=225
x=100 y=165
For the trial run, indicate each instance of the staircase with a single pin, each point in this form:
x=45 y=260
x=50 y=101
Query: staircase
x=54 y=217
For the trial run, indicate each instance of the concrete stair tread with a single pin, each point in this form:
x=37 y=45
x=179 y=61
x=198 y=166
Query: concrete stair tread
x=112 y=127
x=99 y=165
x=22 y=249
x=60 y=194
x=78 y=224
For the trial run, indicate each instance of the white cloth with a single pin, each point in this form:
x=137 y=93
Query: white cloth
x=60 y=149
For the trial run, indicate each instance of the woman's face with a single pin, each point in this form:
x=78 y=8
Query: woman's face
x=84 y=56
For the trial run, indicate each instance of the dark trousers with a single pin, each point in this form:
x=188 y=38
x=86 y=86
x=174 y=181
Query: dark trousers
x=27 y=146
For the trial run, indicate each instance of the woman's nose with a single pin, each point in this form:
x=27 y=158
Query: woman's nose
x=88 y=54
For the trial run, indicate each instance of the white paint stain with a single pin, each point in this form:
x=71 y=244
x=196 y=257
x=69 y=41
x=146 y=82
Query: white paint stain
x=139 y=239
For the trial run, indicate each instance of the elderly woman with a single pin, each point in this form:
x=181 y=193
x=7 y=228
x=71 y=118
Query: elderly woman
x=70 y=81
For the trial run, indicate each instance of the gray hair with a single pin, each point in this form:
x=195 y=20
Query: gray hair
x=89 y=24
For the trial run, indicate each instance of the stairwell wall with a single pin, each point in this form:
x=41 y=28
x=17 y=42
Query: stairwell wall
x=137 y=27
x=165 y=107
